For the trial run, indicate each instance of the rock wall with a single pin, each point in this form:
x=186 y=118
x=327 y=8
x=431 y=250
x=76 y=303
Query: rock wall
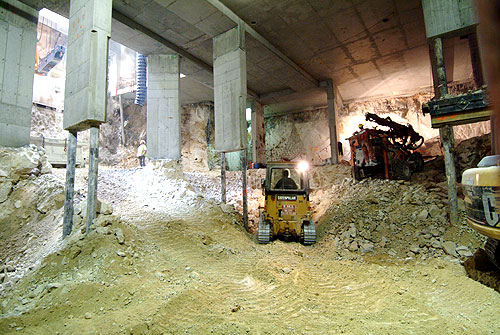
x=305 y=135
x=197 y=133
x=31 y=201
x=295 y=136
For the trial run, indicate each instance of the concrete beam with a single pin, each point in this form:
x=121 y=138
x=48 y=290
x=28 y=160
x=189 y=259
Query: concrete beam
x=236 y=19
x=175 y=48
x=120 y=17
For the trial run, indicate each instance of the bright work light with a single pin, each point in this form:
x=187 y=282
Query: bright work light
x=303 y=166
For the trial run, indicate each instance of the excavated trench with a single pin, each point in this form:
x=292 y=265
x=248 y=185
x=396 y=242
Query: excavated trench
x=179 y=262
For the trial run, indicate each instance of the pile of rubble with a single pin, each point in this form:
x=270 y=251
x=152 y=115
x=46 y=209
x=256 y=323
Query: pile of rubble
x=31 y=213
x=31 y=201
x=397 y=218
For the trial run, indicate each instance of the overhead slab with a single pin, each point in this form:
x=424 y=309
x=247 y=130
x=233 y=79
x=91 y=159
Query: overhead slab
x=371 y=48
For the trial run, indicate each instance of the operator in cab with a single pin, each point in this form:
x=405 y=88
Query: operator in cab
x=286 y=182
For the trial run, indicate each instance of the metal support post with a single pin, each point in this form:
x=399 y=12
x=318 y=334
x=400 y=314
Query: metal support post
x=442 y=87
x=495 y=140
x=244 y=187
x=448 y=143
x=446 y=133
x=93 y=172
x=70 y=184
x=122 y=130
x=223 y=176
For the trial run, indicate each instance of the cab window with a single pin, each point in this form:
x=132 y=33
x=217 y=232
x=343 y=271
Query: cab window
x=285 y=179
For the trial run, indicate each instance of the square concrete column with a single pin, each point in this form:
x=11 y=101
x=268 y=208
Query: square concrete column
x=18 y=24
x=230 y=90
x=334 y=104
x=258 y=133
x=164 y=113
x=87 y=64
x=86 y=92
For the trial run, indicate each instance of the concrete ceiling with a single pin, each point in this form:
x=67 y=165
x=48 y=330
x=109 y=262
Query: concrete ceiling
x=370 y=48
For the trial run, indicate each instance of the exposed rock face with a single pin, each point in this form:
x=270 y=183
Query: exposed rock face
x=22 y=162
x=197 y=133
x=301 y=135
x=470 y=152
x=31 y=199
x=305 y=135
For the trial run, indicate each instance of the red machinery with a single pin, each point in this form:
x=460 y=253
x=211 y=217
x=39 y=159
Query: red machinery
x=385 y=154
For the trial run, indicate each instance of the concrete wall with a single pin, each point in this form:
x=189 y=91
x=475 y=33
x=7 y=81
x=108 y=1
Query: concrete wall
x=164 y=116
x=17 y=64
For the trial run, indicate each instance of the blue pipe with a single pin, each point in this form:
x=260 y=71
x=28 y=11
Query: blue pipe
x=140 y=77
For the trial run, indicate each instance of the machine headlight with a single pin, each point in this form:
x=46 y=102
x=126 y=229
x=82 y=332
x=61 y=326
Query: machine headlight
x=303 y=166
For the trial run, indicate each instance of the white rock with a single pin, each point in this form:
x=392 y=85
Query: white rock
x=366 y=247
x=18 y=204
x=119 y=236
x=106 y=209
x=463 y=251
x=353 y=246
x=106 y=220
x=415 y=249
x=450 y=248
x=436 y=244
x=5 y=188
x=17 y=162
x=352 y=230
x=423 y=214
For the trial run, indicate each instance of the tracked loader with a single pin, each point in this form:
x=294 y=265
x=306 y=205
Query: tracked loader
x=481 y=187
x=287 y=208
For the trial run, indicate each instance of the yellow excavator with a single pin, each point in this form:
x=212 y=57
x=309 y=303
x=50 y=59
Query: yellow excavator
x=481 y=187
x=287 y=208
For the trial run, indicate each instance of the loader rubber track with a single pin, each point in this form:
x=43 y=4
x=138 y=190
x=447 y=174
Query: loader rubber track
x=309 y=234
x=492 y=248
x=264 y=234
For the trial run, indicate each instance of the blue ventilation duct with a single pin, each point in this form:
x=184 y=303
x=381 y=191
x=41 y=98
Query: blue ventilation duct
x=140 y=77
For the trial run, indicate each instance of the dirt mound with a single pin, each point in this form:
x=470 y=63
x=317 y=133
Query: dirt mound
x=179 y=263
x=395 y=218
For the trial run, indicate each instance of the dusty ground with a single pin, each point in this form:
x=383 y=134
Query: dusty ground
x=187 y=267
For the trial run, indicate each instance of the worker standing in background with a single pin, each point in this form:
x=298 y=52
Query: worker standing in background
x=142 y=150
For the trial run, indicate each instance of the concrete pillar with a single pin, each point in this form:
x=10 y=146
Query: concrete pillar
x=87 y=64
x=18 y=24
x=164 y=113
x=230 y=90
x=85 y=96
x=258 y=133
x=332 y=122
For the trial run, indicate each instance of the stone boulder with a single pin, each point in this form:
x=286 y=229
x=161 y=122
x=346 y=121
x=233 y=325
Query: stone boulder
x=18 y=162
